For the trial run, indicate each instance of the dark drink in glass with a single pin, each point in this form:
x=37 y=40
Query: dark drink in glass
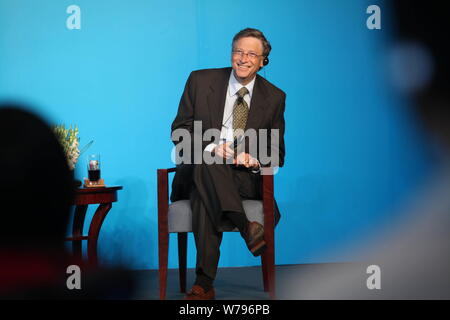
x=94 y=175
x=94 y=167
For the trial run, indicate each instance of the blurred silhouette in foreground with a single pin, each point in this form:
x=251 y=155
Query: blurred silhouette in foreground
x=36 y=192
x=413 y=257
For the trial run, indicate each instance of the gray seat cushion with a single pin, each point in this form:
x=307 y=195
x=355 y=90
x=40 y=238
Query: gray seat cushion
x=180 y=215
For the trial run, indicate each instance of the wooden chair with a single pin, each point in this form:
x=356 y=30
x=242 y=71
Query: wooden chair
x=177 y=218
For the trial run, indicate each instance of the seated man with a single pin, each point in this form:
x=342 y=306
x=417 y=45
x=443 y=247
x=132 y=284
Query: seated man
x=230 y=100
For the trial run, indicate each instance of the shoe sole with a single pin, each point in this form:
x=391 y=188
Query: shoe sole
x=186 y=298
x=189 y=296
x=258 y=249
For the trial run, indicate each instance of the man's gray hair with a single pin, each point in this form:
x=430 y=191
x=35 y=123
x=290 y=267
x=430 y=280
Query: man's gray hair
x=255 y=33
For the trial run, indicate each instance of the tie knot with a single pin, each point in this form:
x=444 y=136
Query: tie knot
x=242 y=92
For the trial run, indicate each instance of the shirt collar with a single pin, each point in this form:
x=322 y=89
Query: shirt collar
x=234 y=86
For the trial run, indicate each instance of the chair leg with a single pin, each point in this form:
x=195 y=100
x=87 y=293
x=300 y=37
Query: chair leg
x=268 y=258
x=268 y=264
x=264 y=273
x=163 y=248
x=182 y=259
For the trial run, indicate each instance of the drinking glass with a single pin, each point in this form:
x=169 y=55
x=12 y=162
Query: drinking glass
x=94 y=167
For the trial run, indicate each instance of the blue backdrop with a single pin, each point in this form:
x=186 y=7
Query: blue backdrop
x=354 y=152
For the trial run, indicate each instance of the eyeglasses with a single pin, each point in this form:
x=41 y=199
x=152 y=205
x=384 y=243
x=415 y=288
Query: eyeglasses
x=251 y=55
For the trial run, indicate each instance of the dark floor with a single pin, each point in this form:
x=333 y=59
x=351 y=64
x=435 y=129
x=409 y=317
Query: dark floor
x=243 y=283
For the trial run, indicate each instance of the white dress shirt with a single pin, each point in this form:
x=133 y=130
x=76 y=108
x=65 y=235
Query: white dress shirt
x=226 y=133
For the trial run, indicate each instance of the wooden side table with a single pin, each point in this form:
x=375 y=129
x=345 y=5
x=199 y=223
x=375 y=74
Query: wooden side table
x=104 y=197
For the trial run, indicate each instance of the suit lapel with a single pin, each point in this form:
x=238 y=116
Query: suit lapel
x=258 y=105
x=216 y=99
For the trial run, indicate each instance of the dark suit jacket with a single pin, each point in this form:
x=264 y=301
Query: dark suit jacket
x=203 y=100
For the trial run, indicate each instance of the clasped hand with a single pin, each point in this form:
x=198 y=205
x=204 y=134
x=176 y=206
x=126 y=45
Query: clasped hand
x=242 y=159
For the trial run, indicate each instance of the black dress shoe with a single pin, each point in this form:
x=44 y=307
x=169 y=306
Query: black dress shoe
x=254 y=238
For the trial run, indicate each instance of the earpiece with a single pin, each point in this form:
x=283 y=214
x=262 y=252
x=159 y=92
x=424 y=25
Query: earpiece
x=266 y=61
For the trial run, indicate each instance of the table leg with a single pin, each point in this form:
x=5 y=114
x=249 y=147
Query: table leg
x=77 y=230
x=94 y=231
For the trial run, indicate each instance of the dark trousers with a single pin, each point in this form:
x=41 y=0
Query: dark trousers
x=218 y=188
